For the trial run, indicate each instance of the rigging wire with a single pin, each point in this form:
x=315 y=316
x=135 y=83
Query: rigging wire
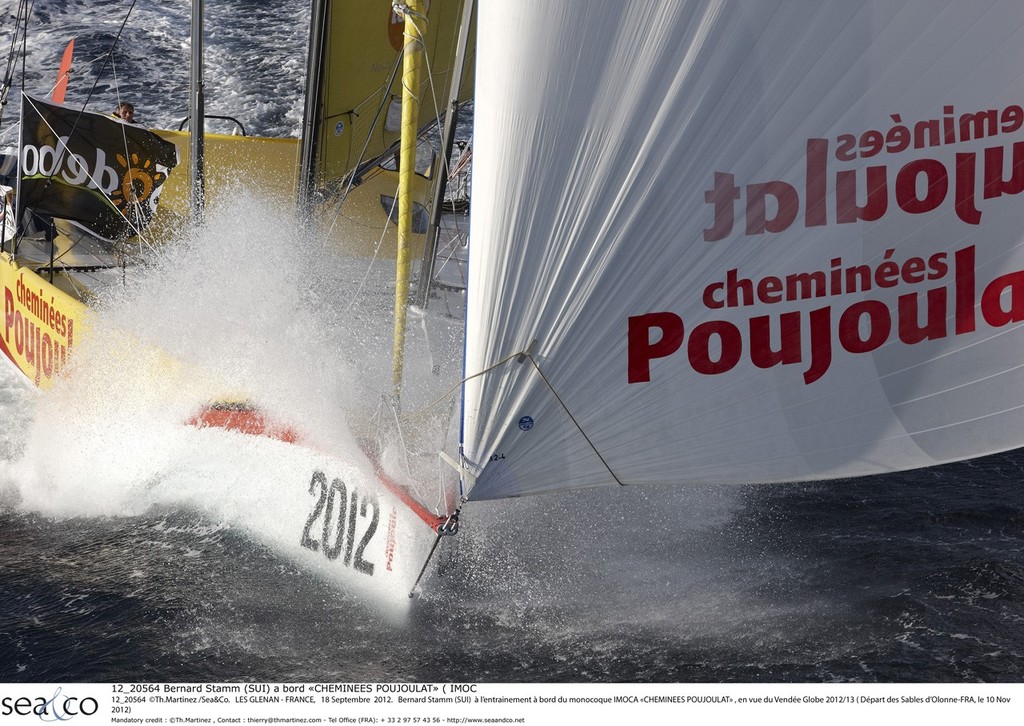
x=376 y=253
x=430 y=73
x=351 y=177
x=366 y=143
x=350 y=182
x=523 y=356
x=403 y=9
x=573 y=419
x=128 y=164
x=109 y=56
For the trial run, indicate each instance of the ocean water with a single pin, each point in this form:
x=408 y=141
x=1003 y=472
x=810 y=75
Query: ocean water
x=255 y=60
x=917 y=577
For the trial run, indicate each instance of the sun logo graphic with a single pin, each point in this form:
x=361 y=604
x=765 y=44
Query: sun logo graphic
x=98 y=173
x=138 y=178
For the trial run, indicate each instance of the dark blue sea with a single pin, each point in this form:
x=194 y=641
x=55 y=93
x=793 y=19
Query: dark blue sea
x=916 y=577
x=911 y=578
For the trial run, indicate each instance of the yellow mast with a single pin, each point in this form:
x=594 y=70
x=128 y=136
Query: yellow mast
x=412 y=64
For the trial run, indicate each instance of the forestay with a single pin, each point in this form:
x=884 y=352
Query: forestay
x=754 y=241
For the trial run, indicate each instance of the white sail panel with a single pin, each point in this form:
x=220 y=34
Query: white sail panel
x=759 y=241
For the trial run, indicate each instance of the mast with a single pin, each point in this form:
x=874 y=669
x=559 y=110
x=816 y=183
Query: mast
x=447 y=143
x=197 y=114
x=415 y=23
x=310 y=146
x=18 y=209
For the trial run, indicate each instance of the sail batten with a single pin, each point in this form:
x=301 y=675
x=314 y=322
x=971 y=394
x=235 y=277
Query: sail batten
x=770 y=241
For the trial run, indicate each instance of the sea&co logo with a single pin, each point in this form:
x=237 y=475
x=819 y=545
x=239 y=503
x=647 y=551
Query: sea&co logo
x=56 y=708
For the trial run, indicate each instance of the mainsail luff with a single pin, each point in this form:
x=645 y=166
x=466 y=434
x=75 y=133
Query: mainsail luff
x=682 y=217
x=197 y=117
x=309 y=149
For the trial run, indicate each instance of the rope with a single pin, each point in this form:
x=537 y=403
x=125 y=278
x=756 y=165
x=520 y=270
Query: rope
x=109 y=55
x=465 y=380
x=134 y=201
x=573 y=418
x=527 y=354
x=351 y=180
x=366 y=144
x=403 y=10
x=376 y=253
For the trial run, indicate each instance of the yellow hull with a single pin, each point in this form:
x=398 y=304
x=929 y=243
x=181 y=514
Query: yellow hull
x=267 y=166
x=360 y=228
x=42 y=323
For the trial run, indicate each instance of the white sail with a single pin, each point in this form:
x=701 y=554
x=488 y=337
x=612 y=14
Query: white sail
x=697 y=178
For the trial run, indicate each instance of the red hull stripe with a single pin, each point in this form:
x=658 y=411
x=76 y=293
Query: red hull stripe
x=431 y=519
x=242 y=420
x=250 y=421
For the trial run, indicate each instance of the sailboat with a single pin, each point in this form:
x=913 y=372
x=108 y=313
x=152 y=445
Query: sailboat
x=337 y=518
x=734 y=243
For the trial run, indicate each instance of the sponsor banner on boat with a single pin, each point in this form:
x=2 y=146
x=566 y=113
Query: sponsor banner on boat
x=93 y=169
x=757 y=275
x=40 y=323
x=906 y=292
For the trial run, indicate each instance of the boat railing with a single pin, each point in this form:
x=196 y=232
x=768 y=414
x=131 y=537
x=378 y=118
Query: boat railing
x=184 y=122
